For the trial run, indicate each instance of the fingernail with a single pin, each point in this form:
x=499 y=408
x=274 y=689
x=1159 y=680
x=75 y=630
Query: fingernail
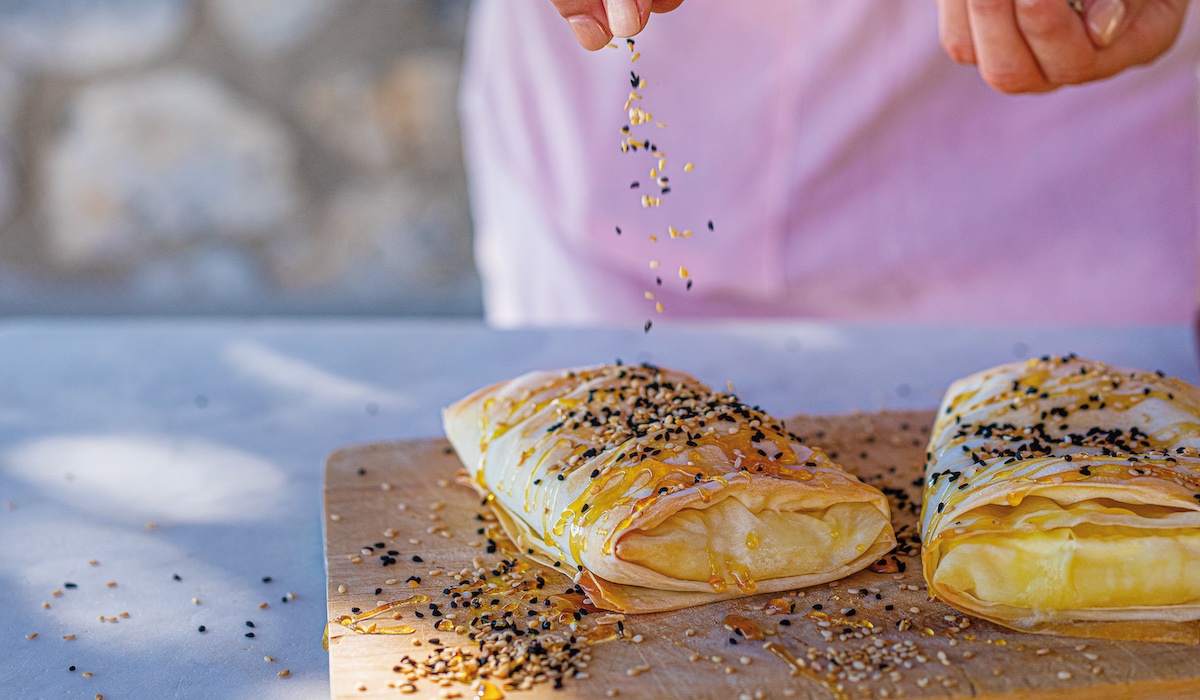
x=623 y=17
x=588 y=31
x=1105 y=18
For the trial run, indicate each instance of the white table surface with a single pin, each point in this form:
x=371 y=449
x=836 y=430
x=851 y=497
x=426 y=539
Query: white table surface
x=216 y=431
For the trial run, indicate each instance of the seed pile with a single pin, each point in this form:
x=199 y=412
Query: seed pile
x=514 y=628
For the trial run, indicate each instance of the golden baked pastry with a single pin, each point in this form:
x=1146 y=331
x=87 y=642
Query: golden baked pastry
x=654 y=492
x=1062 y=496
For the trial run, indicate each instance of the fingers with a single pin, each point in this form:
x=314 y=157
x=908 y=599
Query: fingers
x=1059 y=41
x=954 y=31
x=588 y=22
x=1105 y=18
x=664 y=5
x=1005 y=59
x=1039 y=45
x=1149 y=30
x=627 y=17
x=590 y=34
x=596 y=22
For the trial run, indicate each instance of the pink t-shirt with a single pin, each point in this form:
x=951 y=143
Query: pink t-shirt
x=851 y=171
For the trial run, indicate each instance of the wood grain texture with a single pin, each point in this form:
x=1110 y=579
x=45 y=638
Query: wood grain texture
x=366 y=485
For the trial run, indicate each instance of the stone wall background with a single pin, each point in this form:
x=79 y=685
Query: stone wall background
x=232 y=156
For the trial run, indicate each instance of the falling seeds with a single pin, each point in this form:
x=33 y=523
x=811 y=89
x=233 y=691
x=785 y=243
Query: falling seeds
x=638 y=115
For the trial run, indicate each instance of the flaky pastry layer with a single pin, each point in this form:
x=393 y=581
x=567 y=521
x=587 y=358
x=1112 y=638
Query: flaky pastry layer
x=1063 y=496
x=654 y=492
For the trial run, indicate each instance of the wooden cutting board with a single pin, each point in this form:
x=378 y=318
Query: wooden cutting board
x=404 y=496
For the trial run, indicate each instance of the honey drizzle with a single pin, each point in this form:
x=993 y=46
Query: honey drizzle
x=1065 y=388
x=350 y=622
x=743 y=626
x=751 y=441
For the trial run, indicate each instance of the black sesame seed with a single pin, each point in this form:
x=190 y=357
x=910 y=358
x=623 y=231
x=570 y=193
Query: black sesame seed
x=250 y=635
x=201 y=628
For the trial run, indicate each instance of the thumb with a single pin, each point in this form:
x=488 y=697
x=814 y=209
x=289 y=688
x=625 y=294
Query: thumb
x=626 y=17
x=1106 y=19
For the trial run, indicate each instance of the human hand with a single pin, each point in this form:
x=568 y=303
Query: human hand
x=596 y=22
x=1040 y=45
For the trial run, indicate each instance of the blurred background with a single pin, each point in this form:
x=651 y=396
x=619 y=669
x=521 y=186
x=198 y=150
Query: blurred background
x=234 y=157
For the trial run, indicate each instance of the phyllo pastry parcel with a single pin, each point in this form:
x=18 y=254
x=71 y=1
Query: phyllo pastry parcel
x=655 y=492
x=1062 y=496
